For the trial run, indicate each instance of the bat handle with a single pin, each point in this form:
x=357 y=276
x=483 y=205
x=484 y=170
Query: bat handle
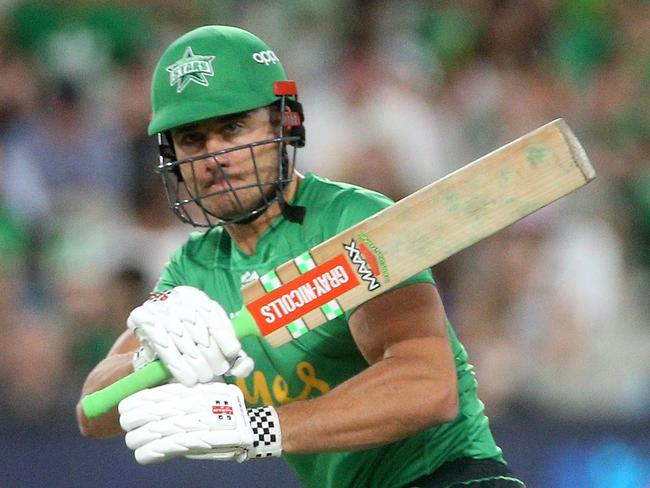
x=154 y=373
x=100 y=402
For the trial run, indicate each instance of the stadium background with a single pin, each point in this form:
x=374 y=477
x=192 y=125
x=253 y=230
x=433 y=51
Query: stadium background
x=554 y=311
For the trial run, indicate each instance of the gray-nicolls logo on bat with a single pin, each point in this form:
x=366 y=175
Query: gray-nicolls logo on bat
x=363 y=268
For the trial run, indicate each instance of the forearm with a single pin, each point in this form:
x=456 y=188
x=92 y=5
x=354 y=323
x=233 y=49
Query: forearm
x=392 y=399
x=109 y=370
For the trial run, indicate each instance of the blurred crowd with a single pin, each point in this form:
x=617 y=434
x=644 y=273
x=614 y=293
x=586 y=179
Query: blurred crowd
x=555 y=310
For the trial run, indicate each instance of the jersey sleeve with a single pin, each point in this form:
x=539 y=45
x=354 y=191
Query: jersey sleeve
x=350 y=206
x=172 y=273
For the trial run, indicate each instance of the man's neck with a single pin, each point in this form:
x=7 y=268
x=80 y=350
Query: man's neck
x=246 y=236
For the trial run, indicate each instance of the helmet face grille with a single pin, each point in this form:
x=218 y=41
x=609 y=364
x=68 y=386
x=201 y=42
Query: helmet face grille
x=190 y=205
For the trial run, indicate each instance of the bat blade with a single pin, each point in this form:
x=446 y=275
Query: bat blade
x=376 y=254
x=421 y=230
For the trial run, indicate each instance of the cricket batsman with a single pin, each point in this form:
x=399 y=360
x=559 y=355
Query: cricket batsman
x=382 y=396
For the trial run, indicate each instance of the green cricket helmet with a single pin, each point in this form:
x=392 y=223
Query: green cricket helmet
x=215 y=71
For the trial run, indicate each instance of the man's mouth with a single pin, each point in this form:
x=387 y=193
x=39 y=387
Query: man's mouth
x=218 y=186
x=221 y=184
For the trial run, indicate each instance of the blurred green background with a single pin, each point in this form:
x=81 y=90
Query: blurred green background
x=554 y=310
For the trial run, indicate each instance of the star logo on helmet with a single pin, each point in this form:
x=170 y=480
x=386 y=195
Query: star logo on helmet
x=191 y=67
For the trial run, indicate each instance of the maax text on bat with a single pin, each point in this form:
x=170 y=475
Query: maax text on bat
x=364 y=270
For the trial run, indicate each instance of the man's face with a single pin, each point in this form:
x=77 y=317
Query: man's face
x=237 y=169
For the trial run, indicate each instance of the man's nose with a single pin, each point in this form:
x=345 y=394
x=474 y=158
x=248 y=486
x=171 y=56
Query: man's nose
x=215 y=142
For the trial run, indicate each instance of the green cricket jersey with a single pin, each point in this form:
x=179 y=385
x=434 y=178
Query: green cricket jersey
x=316 y=362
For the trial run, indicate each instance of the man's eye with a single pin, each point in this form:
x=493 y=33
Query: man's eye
x=191 y=139
x=232 y=128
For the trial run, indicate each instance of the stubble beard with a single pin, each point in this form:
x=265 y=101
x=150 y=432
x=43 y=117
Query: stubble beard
x=234 y=204
x=238 y=203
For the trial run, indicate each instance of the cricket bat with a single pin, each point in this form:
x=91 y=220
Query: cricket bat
x=376 y=254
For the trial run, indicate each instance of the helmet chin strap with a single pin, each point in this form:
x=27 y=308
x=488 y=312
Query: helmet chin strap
x=293 y=213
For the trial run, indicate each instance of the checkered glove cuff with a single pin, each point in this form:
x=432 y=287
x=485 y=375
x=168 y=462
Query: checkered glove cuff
x=266 y=430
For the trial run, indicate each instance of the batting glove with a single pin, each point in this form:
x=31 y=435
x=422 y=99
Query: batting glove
x=206 y=421
x=191 y=334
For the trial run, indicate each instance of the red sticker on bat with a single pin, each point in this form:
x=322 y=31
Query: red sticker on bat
x=308 y=292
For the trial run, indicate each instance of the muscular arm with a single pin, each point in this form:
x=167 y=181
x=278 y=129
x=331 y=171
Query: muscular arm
x=116 y=365
x=409 y=386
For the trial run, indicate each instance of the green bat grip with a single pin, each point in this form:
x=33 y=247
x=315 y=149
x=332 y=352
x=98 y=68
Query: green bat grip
x=154 y=373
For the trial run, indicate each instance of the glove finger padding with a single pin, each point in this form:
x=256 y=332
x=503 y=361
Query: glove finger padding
x=139 y=316
x=185 y=360
x=213 y=455
x=221 y=327
x=191 y=334
x=242 y=366
x=151 y=395
x=153 y=404
x=207 y=420
x=213 y=350
x=197 y=443
x=166 y=427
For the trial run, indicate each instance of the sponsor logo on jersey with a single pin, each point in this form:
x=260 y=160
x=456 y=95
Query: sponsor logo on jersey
x=267 y=388
x=308 y=292
x=190 y=68
x=248 y=277
x=366 y=263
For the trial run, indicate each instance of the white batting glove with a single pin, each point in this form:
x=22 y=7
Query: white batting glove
x=191 y=334
x=206 y=421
